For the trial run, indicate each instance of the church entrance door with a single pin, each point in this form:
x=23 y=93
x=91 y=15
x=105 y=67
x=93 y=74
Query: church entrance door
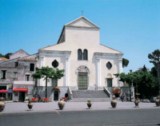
x=82 y=75
x=82 y=81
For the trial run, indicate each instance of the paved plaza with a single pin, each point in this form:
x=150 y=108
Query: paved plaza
x=21 y=107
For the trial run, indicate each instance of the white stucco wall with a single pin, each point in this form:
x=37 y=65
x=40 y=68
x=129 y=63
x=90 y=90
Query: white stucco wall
x=82 y=36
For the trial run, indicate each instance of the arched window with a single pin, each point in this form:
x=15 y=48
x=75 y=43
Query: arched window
x=85 y=54
x=79 y=54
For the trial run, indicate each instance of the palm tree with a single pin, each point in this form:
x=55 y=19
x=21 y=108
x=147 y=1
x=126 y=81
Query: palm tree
x=155 y=59
x=57 y=74
x=47 y=73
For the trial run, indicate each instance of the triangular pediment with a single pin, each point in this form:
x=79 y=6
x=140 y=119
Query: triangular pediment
x=18 y=54
x=82 y=22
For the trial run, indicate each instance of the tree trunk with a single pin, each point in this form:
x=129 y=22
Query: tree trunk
x=36 y=87
x=46 y=88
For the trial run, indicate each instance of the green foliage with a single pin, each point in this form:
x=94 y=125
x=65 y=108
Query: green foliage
x=143 y=81
x=145 y=84
x=6 y=55
x=125 y=62
x=128 y=78
x=57 y=74
x=1 y=55
x=155 y=59
x=154 y=72
x=37 y=74
x=46 y=73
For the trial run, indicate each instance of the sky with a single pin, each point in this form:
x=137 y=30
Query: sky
x=130 y=26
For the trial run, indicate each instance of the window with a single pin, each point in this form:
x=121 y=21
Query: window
x=16 y=64
x=82 y=55
x=55 y=64
x=109 y=65
x=3 y=74
x=79 y=54
x=32 y=67
x=27 y=77
x=85 y=54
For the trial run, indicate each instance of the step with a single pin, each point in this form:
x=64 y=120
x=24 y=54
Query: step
x=89 y=94
x=92 y=99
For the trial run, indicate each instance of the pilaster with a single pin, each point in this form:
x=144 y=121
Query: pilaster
x=66 y=64
x=98 y=73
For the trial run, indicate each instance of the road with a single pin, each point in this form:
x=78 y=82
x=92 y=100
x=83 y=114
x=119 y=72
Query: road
x=138 y=117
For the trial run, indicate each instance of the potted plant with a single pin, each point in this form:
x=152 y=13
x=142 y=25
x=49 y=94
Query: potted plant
x=56 y=88
x=116 y=91
x=2 y=104
x=113 y=102
x=61 y=104
x=157 y=101
x=30 y=104
x=89 y=104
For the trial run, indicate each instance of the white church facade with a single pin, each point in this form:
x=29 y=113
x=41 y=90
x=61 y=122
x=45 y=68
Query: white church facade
x=88 y=64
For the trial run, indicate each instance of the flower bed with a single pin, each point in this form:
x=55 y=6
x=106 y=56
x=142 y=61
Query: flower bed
x=45 y=99
x=34 y=99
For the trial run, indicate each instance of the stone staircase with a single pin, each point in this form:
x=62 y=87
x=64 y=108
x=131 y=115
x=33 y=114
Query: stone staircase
x=93 y=95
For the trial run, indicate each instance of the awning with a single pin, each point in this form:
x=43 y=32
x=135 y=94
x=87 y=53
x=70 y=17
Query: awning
x=20 y=89
x=3 y=91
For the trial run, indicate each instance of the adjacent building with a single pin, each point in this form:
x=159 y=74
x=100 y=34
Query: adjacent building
x=16 y=81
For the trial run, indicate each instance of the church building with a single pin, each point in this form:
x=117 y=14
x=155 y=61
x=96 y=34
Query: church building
x=88 y=64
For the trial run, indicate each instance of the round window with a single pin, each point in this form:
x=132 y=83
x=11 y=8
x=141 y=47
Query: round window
x=109 y=65
x=55 y=63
